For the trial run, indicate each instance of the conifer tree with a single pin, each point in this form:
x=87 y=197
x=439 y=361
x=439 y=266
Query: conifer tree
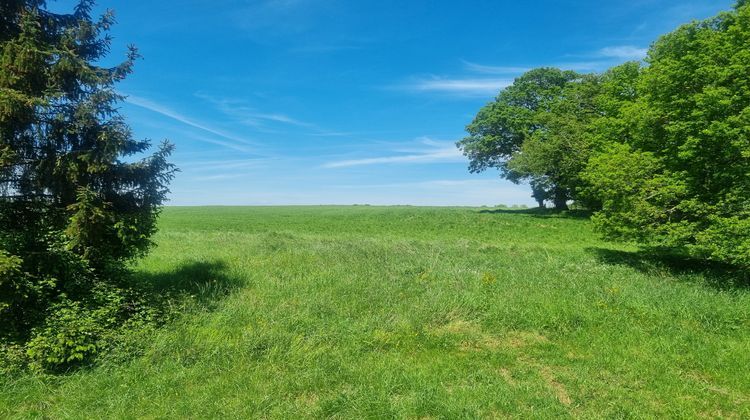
x=79 y=197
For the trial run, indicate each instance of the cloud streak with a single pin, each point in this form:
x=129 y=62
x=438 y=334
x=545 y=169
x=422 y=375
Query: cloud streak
x=170 y=113
x=624 y=52
x=481 y=68
x=212 y=165
x=226 y=144
x=240 y=112
x=218 y=177
x=479 y=80
x=462 y=86
x=439 y=152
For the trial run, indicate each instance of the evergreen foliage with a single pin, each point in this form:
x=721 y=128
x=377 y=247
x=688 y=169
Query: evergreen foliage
x=78 y=199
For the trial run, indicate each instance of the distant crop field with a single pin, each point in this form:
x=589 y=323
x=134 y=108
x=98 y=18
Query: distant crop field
x=362 y=311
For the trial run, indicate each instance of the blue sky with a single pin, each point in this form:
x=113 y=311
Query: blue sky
x=343 y=102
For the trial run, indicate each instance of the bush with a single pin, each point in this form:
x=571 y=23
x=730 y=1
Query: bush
x=71 y=335
x=13 y=360
x=77 y=332
x=21 y=294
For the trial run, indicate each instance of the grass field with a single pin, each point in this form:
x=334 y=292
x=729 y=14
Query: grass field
x=416 y=312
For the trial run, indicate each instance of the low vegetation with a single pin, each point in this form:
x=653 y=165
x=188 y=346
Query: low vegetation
x=413 y=312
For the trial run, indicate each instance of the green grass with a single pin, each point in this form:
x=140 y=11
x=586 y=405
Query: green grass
x=416 y=312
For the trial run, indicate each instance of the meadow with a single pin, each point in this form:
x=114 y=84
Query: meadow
x=409 y=312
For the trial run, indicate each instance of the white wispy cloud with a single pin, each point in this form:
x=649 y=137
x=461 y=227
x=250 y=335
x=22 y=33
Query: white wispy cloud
x=226 y=144
x=253 y=117
x=461 y=86
x=170 y=113
x=623 y=52
x=436 y=152
x=239 y=111
x=482 y=68
x=224 y=169
x=603 y=63
x=479 y=81
x=433 y=184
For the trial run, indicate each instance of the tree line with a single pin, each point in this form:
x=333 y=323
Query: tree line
x=659 y=150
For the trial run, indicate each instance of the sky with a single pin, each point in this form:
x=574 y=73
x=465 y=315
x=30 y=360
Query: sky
x=273 y=102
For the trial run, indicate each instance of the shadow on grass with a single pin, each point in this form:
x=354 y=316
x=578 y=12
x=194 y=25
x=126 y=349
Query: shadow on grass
x=150 y=302
x=542 y=212
x=158 y=299
x=202 y=282
x=714 y=274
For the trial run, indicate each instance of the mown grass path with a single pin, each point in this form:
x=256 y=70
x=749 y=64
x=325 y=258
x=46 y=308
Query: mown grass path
x=378 y=312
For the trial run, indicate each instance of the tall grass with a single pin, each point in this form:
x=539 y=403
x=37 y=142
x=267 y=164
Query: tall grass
x=416 y=312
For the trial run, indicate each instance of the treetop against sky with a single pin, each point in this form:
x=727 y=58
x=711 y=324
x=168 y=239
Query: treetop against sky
x=325 y=101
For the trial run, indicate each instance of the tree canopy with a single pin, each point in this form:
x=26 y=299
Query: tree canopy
x=679 y=174
x=661 y=151
x=502 y=128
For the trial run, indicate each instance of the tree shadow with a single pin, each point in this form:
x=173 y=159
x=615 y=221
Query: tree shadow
x=158 y=299
x=146 y=303
x=716 y=275
x=541 y=212
x=202 y=282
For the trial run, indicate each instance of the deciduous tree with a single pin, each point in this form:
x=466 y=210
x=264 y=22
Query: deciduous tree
x=681 y=177
x=501 y=128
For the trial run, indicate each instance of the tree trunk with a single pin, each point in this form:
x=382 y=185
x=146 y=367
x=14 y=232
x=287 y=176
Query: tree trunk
x=561 y=203
x=561 y=200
